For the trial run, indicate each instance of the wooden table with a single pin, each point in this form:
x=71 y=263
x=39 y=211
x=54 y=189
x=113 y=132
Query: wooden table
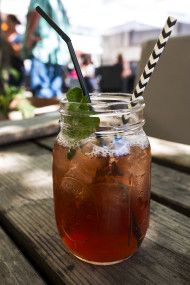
x=31 y=251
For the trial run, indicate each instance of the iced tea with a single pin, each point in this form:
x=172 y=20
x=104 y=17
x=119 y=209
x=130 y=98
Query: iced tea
x=102 y=198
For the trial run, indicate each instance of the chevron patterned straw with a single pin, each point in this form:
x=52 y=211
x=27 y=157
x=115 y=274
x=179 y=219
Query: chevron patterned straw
x=154 y=57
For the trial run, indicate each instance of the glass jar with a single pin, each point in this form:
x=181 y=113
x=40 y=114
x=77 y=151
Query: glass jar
x=101 y=178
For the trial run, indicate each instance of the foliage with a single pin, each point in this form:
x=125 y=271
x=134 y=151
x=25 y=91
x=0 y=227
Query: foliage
x=9 y=92
x=82 y=120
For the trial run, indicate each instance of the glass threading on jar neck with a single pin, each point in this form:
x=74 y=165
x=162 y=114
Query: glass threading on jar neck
x=112 y=110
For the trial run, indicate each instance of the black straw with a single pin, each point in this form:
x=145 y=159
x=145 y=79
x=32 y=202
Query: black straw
x=70 y=47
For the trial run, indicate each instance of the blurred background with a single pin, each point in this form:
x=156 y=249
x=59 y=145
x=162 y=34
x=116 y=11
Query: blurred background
x=112 y=39
x=105 y=28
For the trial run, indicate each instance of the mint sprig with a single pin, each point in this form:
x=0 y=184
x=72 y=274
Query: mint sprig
x=80 y=123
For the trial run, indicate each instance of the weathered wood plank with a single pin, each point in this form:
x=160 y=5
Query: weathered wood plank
x=26 y=210
x=21 y=130
x=14 y=267
x=173 y=154
x=47 y=142
x=171 y=187
x=169 y=229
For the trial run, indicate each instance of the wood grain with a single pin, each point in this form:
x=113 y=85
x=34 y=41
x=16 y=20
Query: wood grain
x=26 y=211
x=175 y=155
x=47 y=142
x=22 y=130
x=171 y=187
x=14 y=267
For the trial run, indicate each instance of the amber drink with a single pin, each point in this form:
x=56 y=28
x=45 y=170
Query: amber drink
x=101 y=179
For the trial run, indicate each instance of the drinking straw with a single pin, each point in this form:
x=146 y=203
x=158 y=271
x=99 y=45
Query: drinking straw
x=154 y=57
x=70 y=47
x=73 y=57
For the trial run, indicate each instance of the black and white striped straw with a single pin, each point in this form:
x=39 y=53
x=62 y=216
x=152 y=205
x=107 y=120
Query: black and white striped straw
x=154 y=57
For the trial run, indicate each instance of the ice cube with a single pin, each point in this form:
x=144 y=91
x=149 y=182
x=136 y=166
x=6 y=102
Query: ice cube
x=120 y=146
x=84 y=168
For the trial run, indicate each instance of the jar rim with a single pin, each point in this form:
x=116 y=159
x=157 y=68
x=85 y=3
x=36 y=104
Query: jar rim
x=106 y=102
x=112 y=110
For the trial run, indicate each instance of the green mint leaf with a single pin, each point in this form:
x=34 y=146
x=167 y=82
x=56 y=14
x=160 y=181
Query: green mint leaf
x=80 y=122
x=84 y=106
x=74 y=95
x=84 y=99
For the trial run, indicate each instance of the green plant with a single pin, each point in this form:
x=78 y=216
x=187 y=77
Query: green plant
x=9 y=92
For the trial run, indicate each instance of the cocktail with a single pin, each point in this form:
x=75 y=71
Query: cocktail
x=101 y=176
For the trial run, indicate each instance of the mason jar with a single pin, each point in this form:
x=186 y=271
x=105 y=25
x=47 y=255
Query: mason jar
x=101 y=178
